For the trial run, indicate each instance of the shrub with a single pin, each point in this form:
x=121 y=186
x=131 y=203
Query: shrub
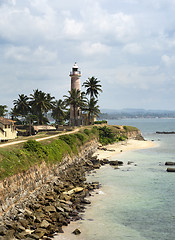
x=82 y=137
x=87 y=131
x=100 y=122
x=106 y=135
x=34 y=146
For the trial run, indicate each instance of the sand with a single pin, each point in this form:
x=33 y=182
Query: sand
x=111 y=150
x=118 y=148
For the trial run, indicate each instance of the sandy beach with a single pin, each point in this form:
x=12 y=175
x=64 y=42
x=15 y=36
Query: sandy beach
x=124 y=146
x=109 y=152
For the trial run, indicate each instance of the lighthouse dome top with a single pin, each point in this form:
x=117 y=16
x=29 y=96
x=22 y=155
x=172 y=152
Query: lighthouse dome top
x=75 y=71
x=75 y=65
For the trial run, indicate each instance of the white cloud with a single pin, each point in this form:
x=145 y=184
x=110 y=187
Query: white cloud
x=73 y=28
x=90 y=49
x=25 y=54
x=168 y=60
x=133 y=48
x=127 y=43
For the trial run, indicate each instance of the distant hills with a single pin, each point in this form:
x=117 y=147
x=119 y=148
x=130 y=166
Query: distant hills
x=135 y=113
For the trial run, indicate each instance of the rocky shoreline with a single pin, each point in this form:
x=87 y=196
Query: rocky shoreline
x=44 y=215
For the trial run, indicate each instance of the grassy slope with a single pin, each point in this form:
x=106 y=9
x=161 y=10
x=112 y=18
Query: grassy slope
x=21 y=157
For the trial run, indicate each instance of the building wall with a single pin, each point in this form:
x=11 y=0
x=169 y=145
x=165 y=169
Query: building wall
x=7 y=132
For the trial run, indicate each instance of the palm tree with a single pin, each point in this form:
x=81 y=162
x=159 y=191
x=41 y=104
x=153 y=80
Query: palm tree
x=41 y=103
x=3 y=110
x=92 y=87
x=76 y=101
x=21 y=105
x=92 y=110
x=58 y=111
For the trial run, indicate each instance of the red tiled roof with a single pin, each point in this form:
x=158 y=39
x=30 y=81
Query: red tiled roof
x=6 y=121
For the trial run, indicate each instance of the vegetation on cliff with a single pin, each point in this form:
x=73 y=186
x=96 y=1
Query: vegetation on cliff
x=21 y=158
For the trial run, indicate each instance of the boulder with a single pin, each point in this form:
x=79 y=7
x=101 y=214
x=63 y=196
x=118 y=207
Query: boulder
x=115 y=163
x=45 y=224
x=85 y=201
x=49 y=209
x=170 y=169
x=74 y=190
x=76 y=231
x=170 y=163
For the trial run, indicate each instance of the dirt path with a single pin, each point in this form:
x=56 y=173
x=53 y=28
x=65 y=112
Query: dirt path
x=39 y=139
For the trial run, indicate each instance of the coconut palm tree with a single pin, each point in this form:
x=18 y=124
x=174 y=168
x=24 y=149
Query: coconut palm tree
x=77 y=102
x=58 y=111
x=41 y=103
x=3 y=110
x=21 y=105
x=92 y=110
x=92 y=87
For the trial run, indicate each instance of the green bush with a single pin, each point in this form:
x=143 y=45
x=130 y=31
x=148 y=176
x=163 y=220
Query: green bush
x=130 y=128
x=82 y=137
x=34 y=146
x=106 y=136
x=87 y=131
x=100 y=122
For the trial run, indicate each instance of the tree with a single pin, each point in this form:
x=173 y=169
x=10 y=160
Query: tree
x=14 y=113
x=3 y=110
x=58 y=112
x=21 y=105
x=41 y=103
x=92 y=110
x=76 y=100
x=92 y=87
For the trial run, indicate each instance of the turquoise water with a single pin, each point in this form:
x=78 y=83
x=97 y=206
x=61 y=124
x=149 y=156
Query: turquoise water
x=137 y=201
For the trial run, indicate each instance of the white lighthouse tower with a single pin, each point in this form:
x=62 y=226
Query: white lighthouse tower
x=75 y=117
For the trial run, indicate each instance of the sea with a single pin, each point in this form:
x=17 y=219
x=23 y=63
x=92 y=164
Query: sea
x=136 y=201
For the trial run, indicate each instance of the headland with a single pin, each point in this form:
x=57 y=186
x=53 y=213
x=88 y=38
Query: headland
x=38 y=201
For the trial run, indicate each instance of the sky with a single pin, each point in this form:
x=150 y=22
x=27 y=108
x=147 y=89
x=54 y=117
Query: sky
x=129 y=45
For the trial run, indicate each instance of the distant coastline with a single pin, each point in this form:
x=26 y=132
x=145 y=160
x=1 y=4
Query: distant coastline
x=135 y=113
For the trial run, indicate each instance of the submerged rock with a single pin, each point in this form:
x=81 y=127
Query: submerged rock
x=76 y=231
x=170 y=169
x=115 y=163
x=170 y=163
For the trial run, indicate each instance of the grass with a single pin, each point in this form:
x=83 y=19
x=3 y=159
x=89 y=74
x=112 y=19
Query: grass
x=20 y=157
x=23 y=156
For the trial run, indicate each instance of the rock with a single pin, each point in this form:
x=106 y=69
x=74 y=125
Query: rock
x=170 y=169
x=74 y=190
x=170 y=163
x=130 y=162
x=49 y=209
x=60 y=230
x=3 y=230
x=76 y=231
x=60 y=209
x=44 y=224
x=40 y=232
x=115 y=163
x=33 y=236
x=85 y=201
x=95 y=185
x=104 y=161
x=97 y=166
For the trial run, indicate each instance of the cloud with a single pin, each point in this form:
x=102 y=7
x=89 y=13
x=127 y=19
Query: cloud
x=128 y=44
x=133 y=48
x=90 y=49
x=27 y=55
x=73 y=28
x=168 y=60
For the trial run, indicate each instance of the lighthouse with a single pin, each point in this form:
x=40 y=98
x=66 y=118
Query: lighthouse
x=75 y=113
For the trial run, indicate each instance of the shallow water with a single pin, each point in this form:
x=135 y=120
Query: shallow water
x=136 y=201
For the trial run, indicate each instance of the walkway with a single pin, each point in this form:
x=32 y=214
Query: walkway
x=39 y=139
